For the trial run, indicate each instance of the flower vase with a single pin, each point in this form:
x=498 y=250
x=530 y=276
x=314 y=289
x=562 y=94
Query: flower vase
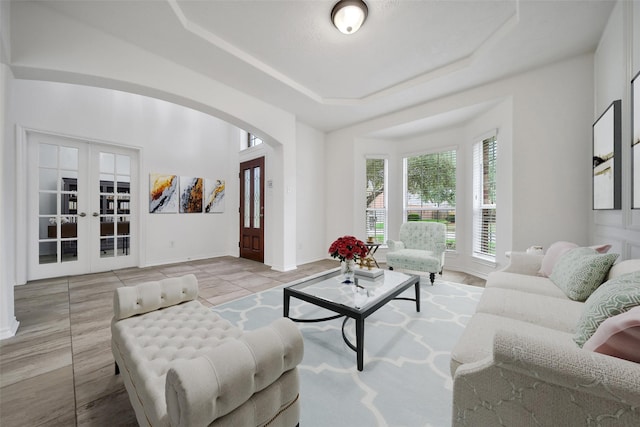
x=348 y=270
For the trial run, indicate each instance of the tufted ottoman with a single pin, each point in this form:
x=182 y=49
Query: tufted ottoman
x=183 y=365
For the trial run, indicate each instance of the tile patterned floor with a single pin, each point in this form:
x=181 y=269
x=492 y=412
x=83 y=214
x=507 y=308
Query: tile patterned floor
x=58 y=369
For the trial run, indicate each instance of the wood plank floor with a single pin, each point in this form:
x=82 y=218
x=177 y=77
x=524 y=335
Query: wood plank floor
x=58 y=370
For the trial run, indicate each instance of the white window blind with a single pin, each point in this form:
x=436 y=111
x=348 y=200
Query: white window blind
x=484 y=198
x=430 y=190
x=376 y=212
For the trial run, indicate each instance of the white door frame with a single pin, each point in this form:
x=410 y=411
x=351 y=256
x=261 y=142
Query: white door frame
x=21 y=212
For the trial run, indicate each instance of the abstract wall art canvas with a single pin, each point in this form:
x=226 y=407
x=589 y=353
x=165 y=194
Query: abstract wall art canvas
x=191 y=194
x=214 y=195
x=163 y=193
x=607 y=170
x=635 y=141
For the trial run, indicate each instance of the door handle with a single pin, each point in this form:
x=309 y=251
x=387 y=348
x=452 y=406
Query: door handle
x=82 y=214
x=95 y=214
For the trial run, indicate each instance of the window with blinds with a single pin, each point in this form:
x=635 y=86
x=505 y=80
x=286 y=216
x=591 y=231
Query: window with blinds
x=484 y=198
x=430 y=190
x=376 y=212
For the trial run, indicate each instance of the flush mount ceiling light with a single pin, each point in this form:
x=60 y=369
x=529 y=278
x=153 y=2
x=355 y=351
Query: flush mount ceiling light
x=349 y=15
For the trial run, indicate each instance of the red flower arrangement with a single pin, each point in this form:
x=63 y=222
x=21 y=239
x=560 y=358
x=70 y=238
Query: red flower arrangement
x=348 y=247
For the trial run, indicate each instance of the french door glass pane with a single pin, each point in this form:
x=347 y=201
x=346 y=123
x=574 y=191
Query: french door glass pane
x=115 y=199
x=123 y=165
x=69 y=250
x=57 y=203
x=106 y=248
x=46 y=232
x=48 y=205
x=48 y=179
x=48 y=156
x=48 y=252
x=68 y=158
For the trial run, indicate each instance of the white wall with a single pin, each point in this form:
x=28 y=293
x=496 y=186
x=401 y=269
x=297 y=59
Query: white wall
x=310 y=195
x=544 y=120
x=617 y=61
x=171 y=138
x=53 y=47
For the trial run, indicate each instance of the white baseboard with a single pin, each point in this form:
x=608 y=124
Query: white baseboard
x=10 y=330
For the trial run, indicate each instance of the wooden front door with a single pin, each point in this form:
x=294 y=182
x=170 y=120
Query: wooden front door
x=252 y=209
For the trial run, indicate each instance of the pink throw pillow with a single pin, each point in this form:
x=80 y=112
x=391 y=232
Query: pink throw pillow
x=552 y=255
x=618 y=336
x=601 y=249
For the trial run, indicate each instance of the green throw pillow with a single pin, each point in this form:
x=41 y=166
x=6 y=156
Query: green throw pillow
x=612 y=298
x=580 y=271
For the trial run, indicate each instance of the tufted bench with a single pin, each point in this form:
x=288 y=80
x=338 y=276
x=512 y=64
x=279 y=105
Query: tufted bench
x=183 y=365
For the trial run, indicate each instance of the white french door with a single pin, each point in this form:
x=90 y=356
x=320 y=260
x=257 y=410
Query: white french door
x=82 y=206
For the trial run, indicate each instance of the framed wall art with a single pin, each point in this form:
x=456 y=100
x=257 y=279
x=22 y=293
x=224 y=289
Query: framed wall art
x=163 y=193
x=607 y=170
x=635 y=141
x=191 y=194
x=214 y=195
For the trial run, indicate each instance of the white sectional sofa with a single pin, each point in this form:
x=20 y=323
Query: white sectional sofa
x=183 y=365
x=518 y=364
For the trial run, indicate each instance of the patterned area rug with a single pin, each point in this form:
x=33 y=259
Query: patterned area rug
x=406 y=379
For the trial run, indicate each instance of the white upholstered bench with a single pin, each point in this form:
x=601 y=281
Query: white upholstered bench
x=183 y=365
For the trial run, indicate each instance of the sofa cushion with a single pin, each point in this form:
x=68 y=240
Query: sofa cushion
x=580 y=271
x=618 y=336
x=613 y=297
x=524 y=283
x=555 y=251
x=624 y=267
x=550 y=312
x=203 y=389
x=414 y=259
x=476 y=342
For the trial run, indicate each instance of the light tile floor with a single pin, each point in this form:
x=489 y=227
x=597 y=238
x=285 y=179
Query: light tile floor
x=58 y=370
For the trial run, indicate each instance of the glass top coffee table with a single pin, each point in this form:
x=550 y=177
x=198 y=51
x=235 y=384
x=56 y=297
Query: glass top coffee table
x=351 y=300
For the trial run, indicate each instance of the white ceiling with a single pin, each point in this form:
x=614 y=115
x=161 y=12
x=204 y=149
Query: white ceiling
x=408 y=52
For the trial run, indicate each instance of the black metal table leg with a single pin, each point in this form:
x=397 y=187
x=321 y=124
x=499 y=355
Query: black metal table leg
x=285 y=305
x=360 y=343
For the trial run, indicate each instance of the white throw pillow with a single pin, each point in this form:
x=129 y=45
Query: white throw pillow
x=552 y=255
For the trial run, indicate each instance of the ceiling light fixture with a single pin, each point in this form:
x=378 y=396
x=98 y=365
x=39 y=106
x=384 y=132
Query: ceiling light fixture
x=349 y=15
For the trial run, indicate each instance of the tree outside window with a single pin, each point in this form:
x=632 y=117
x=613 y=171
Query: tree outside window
x=430 y=193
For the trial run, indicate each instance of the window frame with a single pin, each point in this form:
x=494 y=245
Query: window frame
x=452 y=238
x=252 y=140
x=384 y=209
x=484 y=240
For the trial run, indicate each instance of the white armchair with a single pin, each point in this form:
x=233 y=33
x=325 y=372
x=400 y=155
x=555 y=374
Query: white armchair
x=420 y=247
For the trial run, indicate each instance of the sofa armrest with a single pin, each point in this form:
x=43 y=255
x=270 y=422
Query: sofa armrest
x=132 y=300
x=201 y=390
x=524 y=263
x=553 y=383
x=395 y=245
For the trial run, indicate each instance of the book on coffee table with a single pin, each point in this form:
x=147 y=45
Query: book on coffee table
x=373 y=273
